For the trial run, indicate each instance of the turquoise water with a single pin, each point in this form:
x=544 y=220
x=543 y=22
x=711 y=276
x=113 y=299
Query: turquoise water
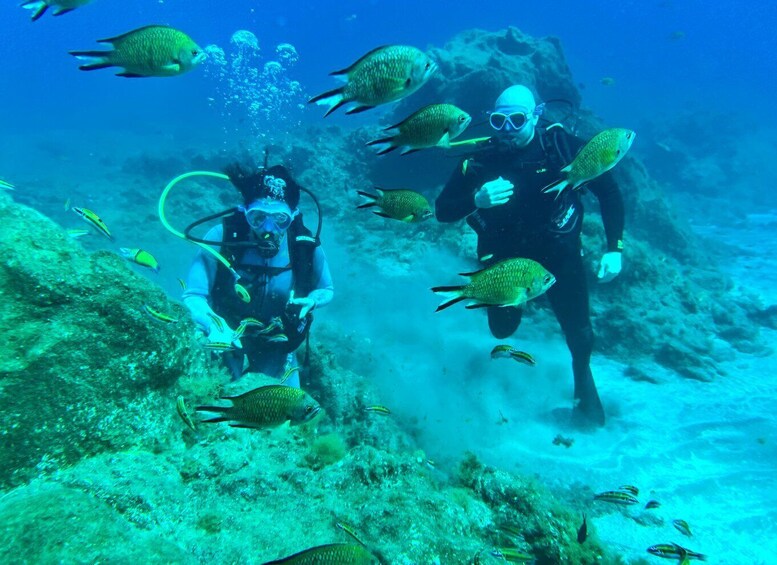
x=695 y=81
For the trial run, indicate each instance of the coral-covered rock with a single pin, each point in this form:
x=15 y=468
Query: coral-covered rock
x=83 y=369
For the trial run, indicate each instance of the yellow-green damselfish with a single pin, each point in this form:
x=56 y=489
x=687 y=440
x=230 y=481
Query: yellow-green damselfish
x=399 y=204
x=511 y=282
x=599 y=155
x=151 y=51
x=434 y=125
x=383 y=75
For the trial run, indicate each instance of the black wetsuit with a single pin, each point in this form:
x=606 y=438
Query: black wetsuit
x=538 y=226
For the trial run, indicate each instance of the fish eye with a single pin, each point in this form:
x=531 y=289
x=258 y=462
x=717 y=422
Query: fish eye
x=617 y=152
x=308 y=409
x=195 y=52
x=462 y=119
x=428 y=66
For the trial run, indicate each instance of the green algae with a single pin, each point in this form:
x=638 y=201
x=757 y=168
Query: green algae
x=325 y=450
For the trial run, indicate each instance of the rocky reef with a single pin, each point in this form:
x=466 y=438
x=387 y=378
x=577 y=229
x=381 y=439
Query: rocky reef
x=89 y=384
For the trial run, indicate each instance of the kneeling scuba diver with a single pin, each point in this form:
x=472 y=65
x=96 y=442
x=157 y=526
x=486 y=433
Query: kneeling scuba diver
x=254 y=297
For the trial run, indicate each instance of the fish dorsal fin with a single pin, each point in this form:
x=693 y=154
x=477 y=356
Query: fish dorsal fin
x=120 y=38
x=348 y=69
x=472 y=274
x=400 y=124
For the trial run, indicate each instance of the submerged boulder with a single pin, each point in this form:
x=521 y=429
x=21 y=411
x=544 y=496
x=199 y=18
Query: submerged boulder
x=83 y=368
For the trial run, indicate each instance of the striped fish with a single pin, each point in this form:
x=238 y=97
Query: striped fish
x=617 y=497
x=93 y=220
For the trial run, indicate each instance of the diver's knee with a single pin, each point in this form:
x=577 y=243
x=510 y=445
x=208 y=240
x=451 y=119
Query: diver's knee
x=580 y=340
x=503 y=322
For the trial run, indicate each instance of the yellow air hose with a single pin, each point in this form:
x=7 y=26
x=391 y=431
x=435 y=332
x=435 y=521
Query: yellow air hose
x=472 y=141
x=175 y=232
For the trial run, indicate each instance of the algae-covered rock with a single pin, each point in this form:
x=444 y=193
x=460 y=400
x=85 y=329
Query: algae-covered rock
x=82 y=368
x=50 y=523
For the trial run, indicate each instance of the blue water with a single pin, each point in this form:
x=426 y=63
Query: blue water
x=724 y=61
x=668 y=58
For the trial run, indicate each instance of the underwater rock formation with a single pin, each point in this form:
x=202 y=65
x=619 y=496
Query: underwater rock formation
x=83 y=369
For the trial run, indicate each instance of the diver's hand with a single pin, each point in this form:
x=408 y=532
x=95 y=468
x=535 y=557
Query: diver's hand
x=610 y=266
x=223 y=334
x=494 y=193
x=306 y=304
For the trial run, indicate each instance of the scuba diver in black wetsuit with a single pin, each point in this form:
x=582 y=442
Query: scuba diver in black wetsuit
x=499 y=192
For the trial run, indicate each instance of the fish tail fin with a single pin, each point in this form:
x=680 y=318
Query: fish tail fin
x=215 y=420
x=99 y=59
x=388 y=142
x=373 y=198
x=454 y=294
x=38 y=8
x=558 y=187
x=359 y=109
x=332 y=98
x=216 y=409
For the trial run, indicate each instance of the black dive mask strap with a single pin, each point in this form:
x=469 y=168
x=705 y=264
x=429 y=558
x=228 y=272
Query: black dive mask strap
x=201 y=221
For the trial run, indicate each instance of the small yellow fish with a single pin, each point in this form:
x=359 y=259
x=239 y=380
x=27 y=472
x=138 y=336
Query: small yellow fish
x=511 y=555
x=289 y=372
x=150 y=51
x=511 y=531
x=278 y=338
x=93 y=220
x=682 y=527
x=629 y=488
x=241 y=291
x=182 y=284
x=67 y=204
x=219 y=346
x=378 y=409
x=140 y=257
x=674 y=551
x=159 y=316
x=6 y=185
x=508 y=352
x=349 y=530
x=275 y=324
x=617 y=497
x=607 y=81
x=652 y=504
x=183 y=412
x=217 y=321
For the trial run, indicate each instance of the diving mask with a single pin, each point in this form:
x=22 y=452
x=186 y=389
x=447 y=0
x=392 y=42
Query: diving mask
x=267 y=215
x=516 y=120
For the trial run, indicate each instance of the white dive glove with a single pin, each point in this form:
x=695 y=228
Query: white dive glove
x=222 y=333
x=610 y=266
x=306 y=304
x=494 y=193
